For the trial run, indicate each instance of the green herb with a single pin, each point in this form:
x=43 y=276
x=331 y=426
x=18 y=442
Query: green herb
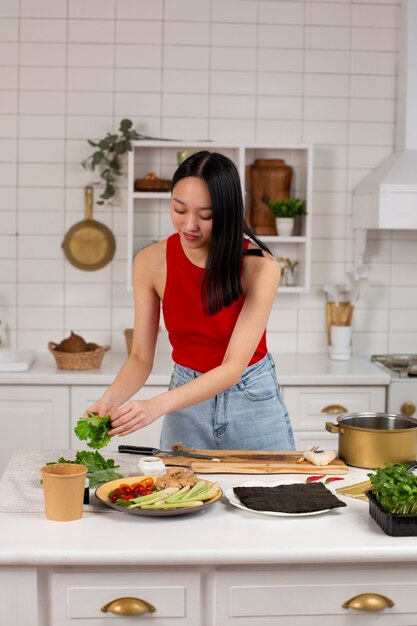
x=95 y=429
x=287 y=207
x=99 y=469
x=107 y=156
x=395 y=488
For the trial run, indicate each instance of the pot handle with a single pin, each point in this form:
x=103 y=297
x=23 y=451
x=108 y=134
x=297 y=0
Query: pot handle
x=332 y=428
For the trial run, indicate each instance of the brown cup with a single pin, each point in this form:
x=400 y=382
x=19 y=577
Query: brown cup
x=63 y=491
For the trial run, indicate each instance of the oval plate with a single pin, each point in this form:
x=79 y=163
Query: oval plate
x=103 y=490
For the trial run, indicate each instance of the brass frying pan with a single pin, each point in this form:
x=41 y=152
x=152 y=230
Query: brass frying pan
x=89 y=245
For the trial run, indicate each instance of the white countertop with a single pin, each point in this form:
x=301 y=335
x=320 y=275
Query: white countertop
x=221 y=534
x=292 y=369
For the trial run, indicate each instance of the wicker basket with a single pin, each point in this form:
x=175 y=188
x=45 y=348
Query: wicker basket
x=78 y=360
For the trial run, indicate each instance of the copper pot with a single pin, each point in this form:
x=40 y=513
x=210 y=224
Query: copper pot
x=374 y=439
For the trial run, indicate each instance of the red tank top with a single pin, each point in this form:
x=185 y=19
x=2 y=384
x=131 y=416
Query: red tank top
x=198 y=341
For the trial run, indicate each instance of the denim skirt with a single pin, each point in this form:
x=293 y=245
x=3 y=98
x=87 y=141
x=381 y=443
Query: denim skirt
x=250 y=416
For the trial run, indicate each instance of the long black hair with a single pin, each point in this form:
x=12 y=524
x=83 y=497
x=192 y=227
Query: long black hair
x=221 y=283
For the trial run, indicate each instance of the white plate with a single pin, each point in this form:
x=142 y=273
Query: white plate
x=234 y=500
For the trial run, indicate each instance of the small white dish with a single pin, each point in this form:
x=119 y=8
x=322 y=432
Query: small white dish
x=234 y=500
x=151 y=465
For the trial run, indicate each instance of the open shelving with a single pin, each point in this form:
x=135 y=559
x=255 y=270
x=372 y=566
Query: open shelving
x=148 y=212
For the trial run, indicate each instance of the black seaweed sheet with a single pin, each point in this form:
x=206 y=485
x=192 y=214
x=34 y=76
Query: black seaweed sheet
x=295 y=498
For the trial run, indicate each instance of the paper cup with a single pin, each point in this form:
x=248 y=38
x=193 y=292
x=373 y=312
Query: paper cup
x=63 y=491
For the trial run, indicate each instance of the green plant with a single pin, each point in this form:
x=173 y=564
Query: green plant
x=289 y=207
x=108 y=155
x=395 y=488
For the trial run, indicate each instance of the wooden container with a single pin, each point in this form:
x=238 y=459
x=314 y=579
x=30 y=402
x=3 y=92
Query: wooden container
x=269 y=179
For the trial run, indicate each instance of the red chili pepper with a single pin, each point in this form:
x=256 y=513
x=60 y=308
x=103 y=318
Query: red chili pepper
x=312 y=479
x=333 y=478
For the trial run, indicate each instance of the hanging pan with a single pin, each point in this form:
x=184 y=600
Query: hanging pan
x=89 y=245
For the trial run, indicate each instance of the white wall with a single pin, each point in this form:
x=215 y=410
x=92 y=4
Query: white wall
x=247 y=70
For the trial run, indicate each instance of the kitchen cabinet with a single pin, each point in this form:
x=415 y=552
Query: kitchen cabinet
x=215 y=596
x=147 y=211
x=83 y=396
x=33 y=417
x=315 y=595
x=17 y=583
x=311 y=407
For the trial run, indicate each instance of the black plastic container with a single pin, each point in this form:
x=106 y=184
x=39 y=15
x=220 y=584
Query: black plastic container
x=394 y=525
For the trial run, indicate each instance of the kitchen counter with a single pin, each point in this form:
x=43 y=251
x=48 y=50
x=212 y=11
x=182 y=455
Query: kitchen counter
x=292 y=369
x=221 y=534
x=218 y=567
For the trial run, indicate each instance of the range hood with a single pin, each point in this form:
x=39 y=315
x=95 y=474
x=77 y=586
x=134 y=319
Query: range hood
x=387 y=197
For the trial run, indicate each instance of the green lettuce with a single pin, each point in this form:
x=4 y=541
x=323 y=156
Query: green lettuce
x=94 y=429
x=99 y=469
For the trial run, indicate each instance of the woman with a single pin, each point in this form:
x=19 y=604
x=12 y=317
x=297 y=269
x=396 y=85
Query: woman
x=217 y=283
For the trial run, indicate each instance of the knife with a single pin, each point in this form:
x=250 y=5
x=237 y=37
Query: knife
x=147 y=451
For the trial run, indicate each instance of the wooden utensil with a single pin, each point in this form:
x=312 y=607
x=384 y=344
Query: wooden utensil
x=89 y=245
x=263 y=467
x=252 y=462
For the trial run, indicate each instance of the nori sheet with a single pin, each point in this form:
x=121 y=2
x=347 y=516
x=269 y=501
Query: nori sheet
x=295 y=498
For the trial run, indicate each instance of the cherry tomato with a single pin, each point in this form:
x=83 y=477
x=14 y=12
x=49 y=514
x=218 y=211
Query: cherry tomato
x=126 y=489
x=138 y=490
x=137 y=486
x=147 y=491
x=147 y=482
x=127 y=498
x=115 y=494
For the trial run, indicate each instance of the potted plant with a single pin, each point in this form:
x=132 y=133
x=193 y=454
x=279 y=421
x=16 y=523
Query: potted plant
x=393 y=499
x=108 y=155
x=285 y=211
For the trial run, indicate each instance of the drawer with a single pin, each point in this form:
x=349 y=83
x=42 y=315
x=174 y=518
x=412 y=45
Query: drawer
x=77 y=596
x=307 y=405
x=311 y=596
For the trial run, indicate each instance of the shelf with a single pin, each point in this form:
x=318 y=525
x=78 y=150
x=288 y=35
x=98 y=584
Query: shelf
x=152 y=195
x=278 y=239
x=147 y=211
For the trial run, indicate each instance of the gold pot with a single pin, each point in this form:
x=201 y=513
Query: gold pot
x=374 y=439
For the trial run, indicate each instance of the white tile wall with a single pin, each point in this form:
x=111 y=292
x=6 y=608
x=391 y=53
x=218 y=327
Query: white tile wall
x=246 y=70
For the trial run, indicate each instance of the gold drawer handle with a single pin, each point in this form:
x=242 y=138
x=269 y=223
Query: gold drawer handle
x=408 y=409
x=368 y=602
x=128 y=606
x=334 y=409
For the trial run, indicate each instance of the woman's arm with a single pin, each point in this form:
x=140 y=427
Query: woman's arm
x=138 y=366
x=260 y=283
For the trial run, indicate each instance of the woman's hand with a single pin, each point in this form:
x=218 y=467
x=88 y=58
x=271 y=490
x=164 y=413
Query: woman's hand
x=134 y=415
x=104 y=406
